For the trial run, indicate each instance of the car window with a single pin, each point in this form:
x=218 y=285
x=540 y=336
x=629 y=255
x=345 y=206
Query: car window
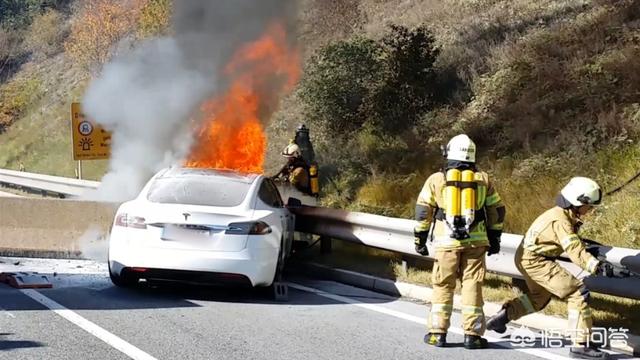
x=269 y=194
x=198 y=190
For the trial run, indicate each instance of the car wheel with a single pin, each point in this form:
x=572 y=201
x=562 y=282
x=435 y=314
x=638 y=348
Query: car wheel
x=278 y=290
x=123 y=281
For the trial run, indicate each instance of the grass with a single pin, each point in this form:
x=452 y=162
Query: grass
x=608 y=311
x=41 y=137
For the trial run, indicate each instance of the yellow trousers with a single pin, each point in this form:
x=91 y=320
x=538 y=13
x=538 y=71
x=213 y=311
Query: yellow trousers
x=467 y=265
x=544 y=278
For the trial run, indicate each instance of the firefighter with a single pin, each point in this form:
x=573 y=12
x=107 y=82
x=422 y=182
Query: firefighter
x=303 y=140
x=467 y=214
x=296 y=170
x=551 y=234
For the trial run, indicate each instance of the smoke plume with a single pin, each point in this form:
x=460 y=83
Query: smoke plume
x=150 y=96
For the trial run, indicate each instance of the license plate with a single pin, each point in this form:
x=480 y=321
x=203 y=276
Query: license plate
x=172 y=232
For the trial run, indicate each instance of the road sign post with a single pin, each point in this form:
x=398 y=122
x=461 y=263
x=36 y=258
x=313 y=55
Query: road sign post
x=89 y=140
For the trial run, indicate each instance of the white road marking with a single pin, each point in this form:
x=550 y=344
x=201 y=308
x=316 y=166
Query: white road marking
x=420 y=320
x=86 y=325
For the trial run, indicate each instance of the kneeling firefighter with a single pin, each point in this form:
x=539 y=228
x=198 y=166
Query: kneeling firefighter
x=551 y=234
x=296 y=171
x=467 y=214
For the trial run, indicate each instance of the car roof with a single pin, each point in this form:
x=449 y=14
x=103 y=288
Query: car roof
x=227 y=175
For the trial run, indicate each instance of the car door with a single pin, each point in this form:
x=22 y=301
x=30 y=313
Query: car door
x=269 y=194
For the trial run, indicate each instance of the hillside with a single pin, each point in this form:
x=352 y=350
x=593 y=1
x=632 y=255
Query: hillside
x=548 y=89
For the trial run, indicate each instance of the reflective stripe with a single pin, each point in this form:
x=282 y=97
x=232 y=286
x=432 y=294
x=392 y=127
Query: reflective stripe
x=497 y=226
x=482 y=194
x=545 y=250
x=422 y=226
x=526 y=302
x=442 y=308
x=472 y=310
x=572 y=318
x=567 y=241
x=492 y=199
x=592 y=264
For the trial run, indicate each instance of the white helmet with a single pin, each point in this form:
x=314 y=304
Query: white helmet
x=461 y=148
x=582 y=191
x=292 y=150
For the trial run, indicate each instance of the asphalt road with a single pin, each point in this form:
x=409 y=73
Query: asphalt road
x=85 y=317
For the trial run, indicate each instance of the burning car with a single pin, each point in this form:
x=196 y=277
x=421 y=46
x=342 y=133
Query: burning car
x=202 y=226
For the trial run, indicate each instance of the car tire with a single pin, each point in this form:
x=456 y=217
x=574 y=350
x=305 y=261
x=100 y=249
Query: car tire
x=122 y=281
x=277 y=290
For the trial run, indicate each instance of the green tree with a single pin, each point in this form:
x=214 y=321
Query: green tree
x=340 y=81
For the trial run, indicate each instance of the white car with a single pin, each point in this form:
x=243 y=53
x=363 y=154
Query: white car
x=202 y=226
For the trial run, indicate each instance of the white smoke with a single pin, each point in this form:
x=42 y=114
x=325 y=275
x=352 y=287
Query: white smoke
x=148 y=96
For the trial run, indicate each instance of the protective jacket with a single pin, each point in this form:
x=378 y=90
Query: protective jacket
x=553 y=233
x=490 y=212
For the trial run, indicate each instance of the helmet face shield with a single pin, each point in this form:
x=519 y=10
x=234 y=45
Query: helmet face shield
x=586 y=200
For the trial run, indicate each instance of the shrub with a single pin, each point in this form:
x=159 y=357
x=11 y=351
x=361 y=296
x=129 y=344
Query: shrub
x=46 y=34
x=15 y=97
x=340 y=82
x=100 y=25
x=154 y=18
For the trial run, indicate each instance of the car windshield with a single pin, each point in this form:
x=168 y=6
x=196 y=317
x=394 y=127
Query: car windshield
x=200 y=187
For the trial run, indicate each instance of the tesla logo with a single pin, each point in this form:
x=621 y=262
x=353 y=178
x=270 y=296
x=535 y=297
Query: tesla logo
x=186 y=216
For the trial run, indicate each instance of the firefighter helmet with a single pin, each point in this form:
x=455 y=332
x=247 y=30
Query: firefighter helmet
x=292 y=150
x=582 y=191
x=461 y=148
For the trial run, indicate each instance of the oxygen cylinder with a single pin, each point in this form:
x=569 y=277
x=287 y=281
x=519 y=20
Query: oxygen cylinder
x=313 y=179
x=452 y=197
x=468 y=198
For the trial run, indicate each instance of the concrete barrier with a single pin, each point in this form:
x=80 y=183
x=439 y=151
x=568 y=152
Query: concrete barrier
x=52 y=228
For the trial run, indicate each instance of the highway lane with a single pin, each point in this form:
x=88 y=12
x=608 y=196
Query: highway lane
x=322 y=320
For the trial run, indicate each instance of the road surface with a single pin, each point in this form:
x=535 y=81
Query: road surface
x=85 y=317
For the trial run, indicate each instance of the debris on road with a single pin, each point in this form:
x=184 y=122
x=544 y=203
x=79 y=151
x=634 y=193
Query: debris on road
x=23 y=280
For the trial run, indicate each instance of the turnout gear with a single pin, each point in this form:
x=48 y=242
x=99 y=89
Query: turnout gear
x=475 y=342
x=296 y=170
x=304 y=142
x=582 y=191
x=551 y=234
x=460 y=204
x=438 y=340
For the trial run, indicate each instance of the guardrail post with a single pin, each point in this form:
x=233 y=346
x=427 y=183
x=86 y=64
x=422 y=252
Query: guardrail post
x=325 y=245
x=404 y=266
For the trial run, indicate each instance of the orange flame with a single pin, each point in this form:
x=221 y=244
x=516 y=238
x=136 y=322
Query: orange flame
x=232 y=135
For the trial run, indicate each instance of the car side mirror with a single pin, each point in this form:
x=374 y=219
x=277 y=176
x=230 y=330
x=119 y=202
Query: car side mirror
x=293 y=202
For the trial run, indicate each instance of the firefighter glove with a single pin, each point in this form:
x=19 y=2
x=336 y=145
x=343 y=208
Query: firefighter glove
x=421 y=242
x=605 y=269
x=422 y=250
x=494 y=241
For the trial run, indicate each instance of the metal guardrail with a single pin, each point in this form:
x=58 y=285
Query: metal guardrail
x=61 y=186
x=392 y=234
x=396 y=235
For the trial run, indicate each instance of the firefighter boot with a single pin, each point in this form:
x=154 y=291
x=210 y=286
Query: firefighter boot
x=498 y=322
x=475 y=342
x=586 y=352
x=438 y=340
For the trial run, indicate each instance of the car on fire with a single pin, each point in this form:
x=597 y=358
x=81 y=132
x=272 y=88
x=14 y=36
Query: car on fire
x=202 y=226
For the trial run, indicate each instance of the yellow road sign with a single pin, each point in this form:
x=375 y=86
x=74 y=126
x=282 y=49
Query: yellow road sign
x=90 y=140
